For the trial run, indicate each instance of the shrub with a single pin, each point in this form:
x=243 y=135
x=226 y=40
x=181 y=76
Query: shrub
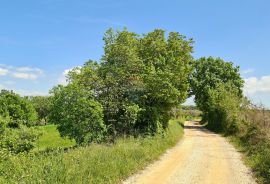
x=18 y=109
x=77 y=114
x=18 y=140
x=224 y=106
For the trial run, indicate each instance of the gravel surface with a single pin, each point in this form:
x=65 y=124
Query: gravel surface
x=202 y=157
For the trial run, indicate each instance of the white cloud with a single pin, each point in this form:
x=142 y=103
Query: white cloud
x=255 y=85
x=28 y=73
x=3 y=71
x=21 y=75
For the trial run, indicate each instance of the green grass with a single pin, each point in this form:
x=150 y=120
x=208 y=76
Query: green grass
x=51 y=139
x=95 y=164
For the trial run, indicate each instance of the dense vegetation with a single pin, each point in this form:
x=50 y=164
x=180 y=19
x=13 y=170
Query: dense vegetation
x=131 y=91
x=42 y=106
x=98 y=163
x=17 y=114
x=253 y=138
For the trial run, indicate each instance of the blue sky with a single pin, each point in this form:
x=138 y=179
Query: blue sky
x=40 y=39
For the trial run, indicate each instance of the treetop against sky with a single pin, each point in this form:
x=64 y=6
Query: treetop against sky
x=41 y=40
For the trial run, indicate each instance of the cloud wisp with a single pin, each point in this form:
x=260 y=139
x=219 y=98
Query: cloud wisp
x=3 y=71
x=27 y=73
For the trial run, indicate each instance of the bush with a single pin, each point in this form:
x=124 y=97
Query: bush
x=224 y=106
x=16 y=113
x=18 y=140
x=254 y=136
x=261 y=164
x=77 y=114
x=19 y=110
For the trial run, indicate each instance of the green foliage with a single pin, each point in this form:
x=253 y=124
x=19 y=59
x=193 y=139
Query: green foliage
x=77 y=114
x=19 y=110
x=217 y=86
x=41 y=105
x=208 y=74
x=253 y=136
x=95 y=164
x=51 y=139
x=16 y=113
x=140 y=79
x=223 y=108
x=18 y=140
x=261 y=163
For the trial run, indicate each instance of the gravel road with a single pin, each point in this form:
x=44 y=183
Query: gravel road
x=201 y=157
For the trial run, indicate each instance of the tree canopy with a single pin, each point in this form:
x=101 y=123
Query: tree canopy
x=208 y=74
x=217 y=87
x=139 y=79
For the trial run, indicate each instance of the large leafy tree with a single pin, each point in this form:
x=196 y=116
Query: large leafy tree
x=167 y=64
x=139 y=79
x=208 y=75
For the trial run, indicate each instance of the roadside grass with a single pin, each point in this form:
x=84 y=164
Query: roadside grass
x=51 y=139
x=94 y=164
x=258 y=160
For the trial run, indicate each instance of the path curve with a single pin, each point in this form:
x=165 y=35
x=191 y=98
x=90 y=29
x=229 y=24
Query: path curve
x=201 y=157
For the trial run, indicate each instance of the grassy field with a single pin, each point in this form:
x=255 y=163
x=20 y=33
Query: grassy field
x=96 y=164
x=51 y=138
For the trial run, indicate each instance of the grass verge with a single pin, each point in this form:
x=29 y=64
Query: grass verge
x=95 y=164
x=257 y=159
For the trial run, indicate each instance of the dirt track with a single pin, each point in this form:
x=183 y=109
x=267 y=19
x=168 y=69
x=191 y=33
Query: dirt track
x=201 y=157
